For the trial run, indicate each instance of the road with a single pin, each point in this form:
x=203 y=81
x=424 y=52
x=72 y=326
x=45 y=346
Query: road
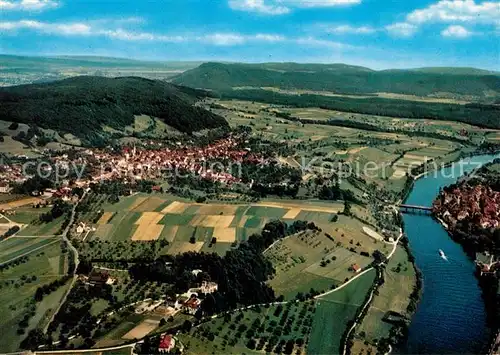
x=99 y=350
x=64 y=235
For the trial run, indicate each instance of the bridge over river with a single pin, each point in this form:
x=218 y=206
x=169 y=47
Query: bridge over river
x=415 y=209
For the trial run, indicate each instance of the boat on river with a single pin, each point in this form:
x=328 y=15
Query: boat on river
x=442 y=254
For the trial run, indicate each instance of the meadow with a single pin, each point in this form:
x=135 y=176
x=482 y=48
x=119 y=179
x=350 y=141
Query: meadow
x=334 y=311
x=310 y=260
x=19 y=281
x=41 y=229
x=27 y=215
x=15 y=247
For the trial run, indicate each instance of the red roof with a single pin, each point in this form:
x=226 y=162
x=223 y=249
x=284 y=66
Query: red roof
x=356 y=267
x=192 y=303
x=165 y=342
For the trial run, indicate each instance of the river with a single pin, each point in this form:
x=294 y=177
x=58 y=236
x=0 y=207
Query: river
x=451 y=316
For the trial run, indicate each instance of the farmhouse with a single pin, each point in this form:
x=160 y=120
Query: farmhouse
x=167 y=343
x=97 y=278
x=356 y=268
x=5 y=188
x=208 y=287
x=191 y=306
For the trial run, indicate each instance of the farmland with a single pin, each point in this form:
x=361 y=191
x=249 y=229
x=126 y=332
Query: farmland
x=44 y=264
x=334 y=311
x=383 y=156
x=189 y=226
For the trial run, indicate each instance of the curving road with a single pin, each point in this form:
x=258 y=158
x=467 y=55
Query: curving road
x=64 y=235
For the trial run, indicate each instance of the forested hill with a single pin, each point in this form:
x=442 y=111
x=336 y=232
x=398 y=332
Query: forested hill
x=344 y=79
x=83 y=105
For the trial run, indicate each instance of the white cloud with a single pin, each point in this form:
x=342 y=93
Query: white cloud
x=125 y=35
x=449 y=11
x=281 y=7
x=95 y=28
x=402 y=29
x=456 y=31
x=258 y=6
x=269 y=38
x=231 y=39
x=26 y=5
x=50 y=28
x=348 y=29
x=316 y=42
x=223 y=39
x=321 y=3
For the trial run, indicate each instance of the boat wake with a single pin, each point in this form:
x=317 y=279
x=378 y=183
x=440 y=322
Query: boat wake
x=442 y=255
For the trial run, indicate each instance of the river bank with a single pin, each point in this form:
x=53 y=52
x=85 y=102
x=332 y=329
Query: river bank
x=447 y=288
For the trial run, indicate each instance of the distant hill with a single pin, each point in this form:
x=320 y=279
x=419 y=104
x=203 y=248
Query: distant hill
x=18 y=70
x=345 y=79
x=83 y=105
x=36 y=63
x=456 y=71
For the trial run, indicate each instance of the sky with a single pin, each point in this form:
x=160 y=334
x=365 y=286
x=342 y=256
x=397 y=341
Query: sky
x=379 y=34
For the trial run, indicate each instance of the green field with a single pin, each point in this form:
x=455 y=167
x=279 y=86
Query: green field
x=334 y=311
x=15 y=247
x=26 y=215
x=43 y=229
x=18 y=284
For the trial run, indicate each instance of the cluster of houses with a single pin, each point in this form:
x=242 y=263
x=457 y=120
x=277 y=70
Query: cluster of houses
x=153 y=163
x=8 y=175
x=131 y=163
x=479 y=204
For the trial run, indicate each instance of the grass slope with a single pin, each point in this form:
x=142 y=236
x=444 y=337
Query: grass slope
x=18 y=284
x=333 y=313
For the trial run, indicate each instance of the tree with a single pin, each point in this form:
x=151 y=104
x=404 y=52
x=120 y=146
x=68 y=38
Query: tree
x=186 y=326
x=347 y=208
x=13 y=126
x=379 y=257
